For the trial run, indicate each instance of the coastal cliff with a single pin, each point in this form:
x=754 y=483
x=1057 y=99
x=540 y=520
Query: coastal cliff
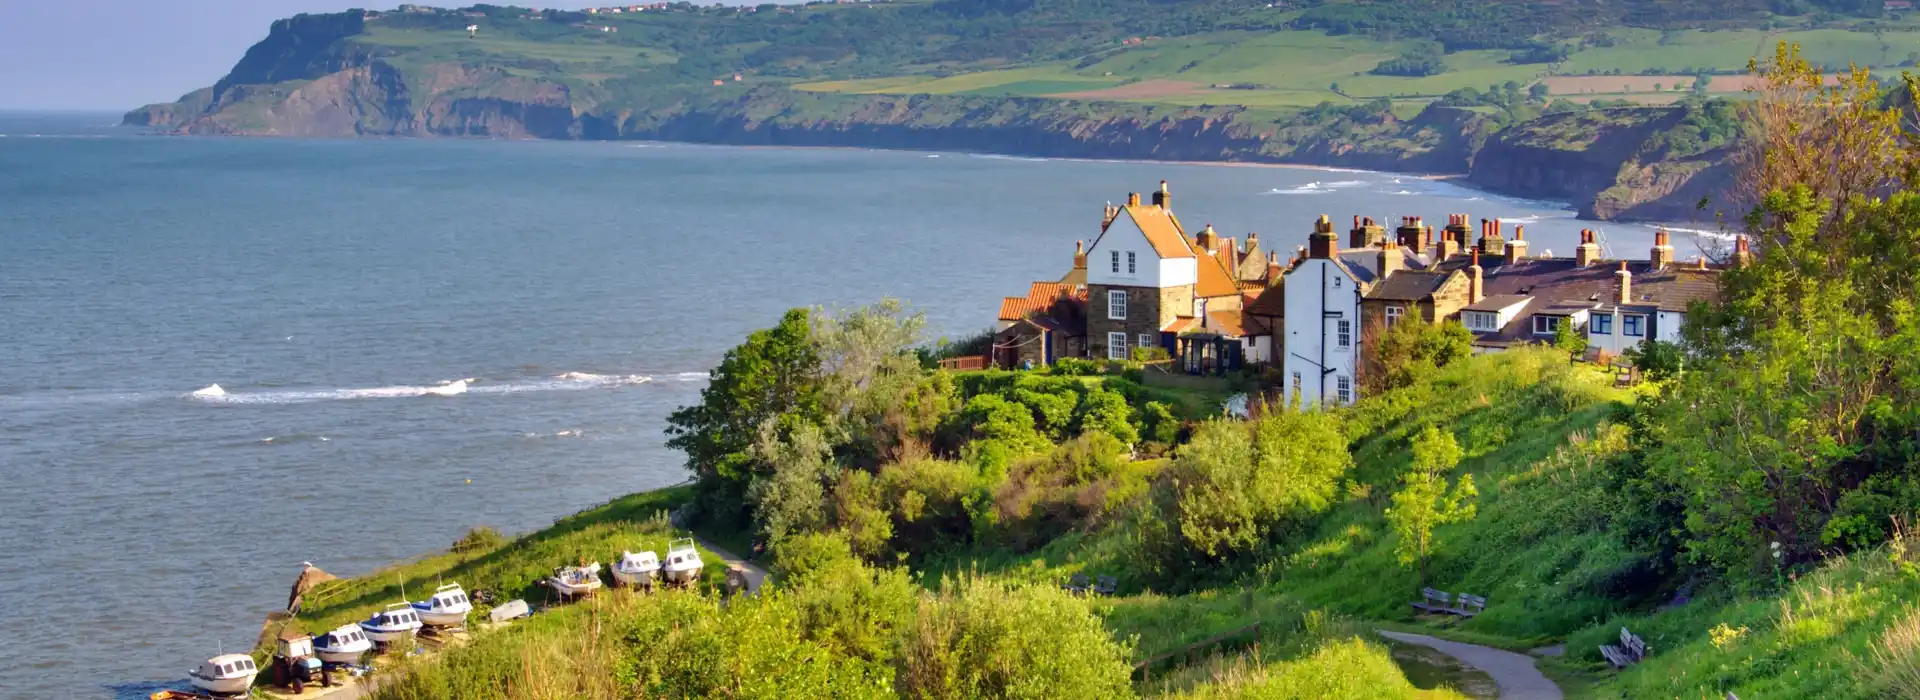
x=322 y=76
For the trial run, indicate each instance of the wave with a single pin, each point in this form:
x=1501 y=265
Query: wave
x=1721 y=235
x=996 y=156
x=570 y=381
x=1319 y=187
x=691 y=377
x=296 y=437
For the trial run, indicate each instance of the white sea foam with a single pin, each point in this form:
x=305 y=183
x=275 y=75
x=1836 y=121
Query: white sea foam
x=570 y=381
x=1319 y=187
x=691 y=376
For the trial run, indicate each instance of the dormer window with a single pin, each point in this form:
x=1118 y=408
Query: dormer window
x=1547 y=325
x=1484 y=321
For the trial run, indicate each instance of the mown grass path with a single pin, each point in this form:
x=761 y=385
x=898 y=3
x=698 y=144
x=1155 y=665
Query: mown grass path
x=1515 y=674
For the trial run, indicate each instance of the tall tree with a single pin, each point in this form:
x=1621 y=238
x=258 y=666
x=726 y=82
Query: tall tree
x=774 y=374
x=1425 y=502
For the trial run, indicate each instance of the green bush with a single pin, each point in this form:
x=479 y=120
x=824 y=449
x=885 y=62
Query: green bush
x=990 y=639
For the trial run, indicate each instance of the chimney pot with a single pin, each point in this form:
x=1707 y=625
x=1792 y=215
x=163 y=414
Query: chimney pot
x=1133 y=199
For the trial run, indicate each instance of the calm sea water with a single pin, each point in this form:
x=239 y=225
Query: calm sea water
x=581 y=289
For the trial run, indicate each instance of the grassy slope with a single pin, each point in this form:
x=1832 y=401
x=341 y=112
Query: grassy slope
x=513 y=568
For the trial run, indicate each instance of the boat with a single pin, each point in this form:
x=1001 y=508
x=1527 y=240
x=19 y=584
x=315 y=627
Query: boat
x=637 y=569
x=344 y=645
x=447 y=607
x=226 y=674
x=683 y=562
x=572 y=581
x=393 y=624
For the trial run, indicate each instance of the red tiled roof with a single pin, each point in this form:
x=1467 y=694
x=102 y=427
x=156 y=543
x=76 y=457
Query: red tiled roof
x=1214 y=279
x=1162 y=230
x=1180 y=325
x=1014 y=308
x=1225 y=323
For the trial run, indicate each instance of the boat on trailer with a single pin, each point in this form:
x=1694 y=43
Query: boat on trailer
x=344 y=645
x=575 y=581
x=683 y=562
x=637 y=569
x=225 y=675
x=398 y=621
x=447 y=607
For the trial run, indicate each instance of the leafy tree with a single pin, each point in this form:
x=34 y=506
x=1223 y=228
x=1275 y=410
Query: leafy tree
x=1656 y=359
x=1424 y=501
x=1410 y=350
x=789 y=495
x=1158 y=424
x=775 y=373
x=1569 y=339
x=1238 y=484
x=1539 y=92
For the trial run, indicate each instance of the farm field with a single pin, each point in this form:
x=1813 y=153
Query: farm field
x=1292 y=69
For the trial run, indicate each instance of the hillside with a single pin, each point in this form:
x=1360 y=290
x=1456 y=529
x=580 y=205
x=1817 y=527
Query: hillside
x=1417 y=86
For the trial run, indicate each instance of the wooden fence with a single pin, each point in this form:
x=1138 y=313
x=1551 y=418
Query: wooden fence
x=1190 y=651
x=964 y=363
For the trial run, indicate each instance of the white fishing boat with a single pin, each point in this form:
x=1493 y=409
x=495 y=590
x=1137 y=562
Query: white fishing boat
x=574 y=581
x=683 y=562
x=226 y=674
x=393 y=624
x=637 y=569
x=344 y=645
x=447 y=607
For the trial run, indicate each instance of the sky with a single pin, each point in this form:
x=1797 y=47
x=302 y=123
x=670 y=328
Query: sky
x=115 y=55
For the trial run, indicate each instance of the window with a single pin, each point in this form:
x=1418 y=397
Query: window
x=1344 y=334
x=1116 y=346
x=1601 y=325
x=1296 y=383
x=1482 y=321
x=1130 y=263
x=1546 y=325
x=1344 y=387
x=1117 y=303
x=1116 y=262
x=1633 y=325
x=1393 y=314
x=1146 y=340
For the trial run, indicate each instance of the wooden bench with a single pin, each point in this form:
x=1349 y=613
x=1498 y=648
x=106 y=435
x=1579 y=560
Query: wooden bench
x=1077 y=584
x=1469 y=605
x=1106 y=585
x=1434 y=601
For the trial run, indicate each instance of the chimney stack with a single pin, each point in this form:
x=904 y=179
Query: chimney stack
x=1323 y=244
x=1588 y=251
x=1448 y=246
x=1207 y=240
x=1409 y=234
x=1742 y=252
x=1457 y=225
x=1366 y=233
x=1517 y=248
x=1662 y=252
x=1626 y=283
x=1107 y=215
x=1391 y=259
x=1163 y=199
x=1079 y=255
x=1476 y=290
x=1275 y=274
x=1133 y=199
x=1490 y=242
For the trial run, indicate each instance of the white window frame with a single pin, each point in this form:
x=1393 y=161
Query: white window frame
x=1343 y=388
x=1132 y=263
x=1394 y=313
x=1343 y=334
x=1146 y=341
x=1296 y=383
x=1633 y=326
x=1482 y=321
x=1117 y=345
x=1116 y=261
x=1117 y=304
x=1551 y=324
x=1602 y=324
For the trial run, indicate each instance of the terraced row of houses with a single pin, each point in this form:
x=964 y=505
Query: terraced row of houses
x=1216 y=303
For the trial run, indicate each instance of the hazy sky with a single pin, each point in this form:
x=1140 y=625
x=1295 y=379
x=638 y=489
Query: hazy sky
x=116 y=55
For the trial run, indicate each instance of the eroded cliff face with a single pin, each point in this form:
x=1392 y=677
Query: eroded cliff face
x=1605 y=163
x=303 y=80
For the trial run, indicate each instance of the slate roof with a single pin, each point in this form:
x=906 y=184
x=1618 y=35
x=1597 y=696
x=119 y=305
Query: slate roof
x=1409 y=285
x=1498 y=302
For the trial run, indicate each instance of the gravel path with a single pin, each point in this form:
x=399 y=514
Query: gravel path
x=755 y=574
x=1515 y=674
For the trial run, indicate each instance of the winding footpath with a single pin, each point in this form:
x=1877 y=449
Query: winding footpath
x=1514 y=674
x=755 y=574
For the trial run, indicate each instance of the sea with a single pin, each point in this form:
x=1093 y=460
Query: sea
x=223 y=357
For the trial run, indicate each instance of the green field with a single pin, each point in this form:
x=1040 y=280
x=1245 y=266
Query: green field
x=1291 y=69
